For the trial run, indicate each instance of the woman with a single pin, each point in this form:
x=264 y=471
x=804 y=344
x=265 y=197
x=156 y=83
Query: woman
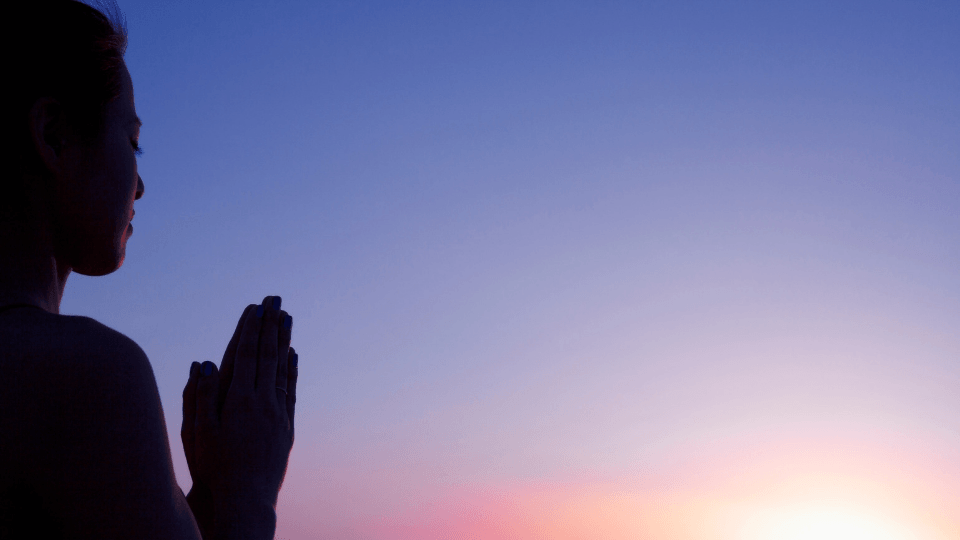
x=83 y=447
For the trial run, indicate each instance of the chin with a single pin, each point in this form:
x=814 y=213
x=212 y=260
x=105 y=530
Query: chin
x=92 y=251
x=101 y=264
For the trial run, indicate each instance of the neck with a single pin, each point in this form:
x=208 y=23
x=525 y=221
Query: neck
x=30 y=272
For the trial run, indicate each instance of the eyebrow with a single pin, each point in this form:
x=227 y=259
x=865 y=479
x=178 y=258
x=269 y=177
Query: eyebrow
x=136 y=120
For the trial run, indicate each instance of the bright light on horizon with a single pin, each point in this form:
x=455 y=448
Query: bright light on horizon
x=824 y=523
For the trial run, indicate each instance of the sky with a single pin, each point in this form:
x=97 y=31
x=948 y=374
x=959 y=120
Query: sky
x=566 y=270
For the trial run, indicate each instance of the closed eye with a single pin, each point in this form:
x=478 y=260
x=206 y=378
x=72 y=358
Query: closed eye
x=136 y=148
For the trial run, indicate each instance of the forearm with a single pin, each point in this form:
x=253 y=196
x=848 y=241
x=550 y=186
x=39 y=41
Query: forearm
x=201 y=504
x=243 y=519
x=224 y=518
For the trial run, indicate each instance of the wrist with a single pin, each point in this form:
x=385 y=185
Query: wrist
x=244 y=517
x=199 y=492
x=201 y=504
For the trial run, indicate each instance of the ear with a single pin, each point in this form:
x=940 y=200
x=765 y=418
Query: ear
x=48 y=131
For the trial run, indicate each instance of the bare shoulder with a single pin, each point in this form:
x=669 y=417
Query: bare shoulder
x=78 y=337
x=51 y=342
x=93 y=438
x=55 y=370
x=47 y=358
x=89 y=349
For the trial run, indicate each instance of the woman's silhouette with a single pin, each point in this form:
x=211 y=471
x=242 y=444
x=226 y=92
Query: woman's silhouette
x=83 y=448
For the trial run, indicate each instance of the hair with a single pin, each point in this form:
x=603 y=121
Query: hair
x=61 y=49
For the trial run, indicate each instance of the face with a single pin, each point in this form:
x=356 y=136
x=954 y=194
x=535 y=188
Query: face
x=96 y=190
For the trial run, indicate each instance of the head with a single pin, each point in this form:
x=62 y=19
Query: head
x=71 y=133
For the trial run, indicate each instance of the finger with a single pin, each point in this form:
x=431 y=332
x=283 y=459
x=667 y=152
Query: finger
x=267 y=358
x=187 y=433
x=292 y=373
x=245 y=366
x=208 y=420
x=229 y=358
x=283 y=348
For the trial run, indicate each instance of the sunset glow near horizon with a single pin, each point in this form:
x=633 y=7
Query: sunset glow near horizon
x=566 y=270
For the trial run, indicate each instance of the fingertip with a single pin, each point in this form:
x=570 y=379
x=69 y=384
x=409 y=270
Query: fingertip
x=208 y=368
x=208 y=381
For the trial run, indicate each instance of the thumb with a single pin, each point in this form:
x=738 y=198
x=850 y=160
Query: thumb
x=207 y=388
x=189 y=410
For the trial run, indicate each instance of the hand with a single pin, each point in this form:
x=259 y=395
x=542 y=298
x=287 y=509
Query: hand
x=238 y=426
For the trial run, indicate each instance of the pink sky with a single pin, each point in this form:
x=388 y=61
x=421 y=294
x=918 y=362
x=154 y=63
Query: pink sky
x=902 y=484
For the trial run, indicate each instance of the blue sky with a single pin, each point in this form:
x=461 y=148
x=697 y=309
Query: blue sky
x=560 y=248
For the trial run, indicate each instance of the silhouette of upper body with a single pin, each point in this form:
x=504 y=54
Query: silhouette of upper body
x=84 y=451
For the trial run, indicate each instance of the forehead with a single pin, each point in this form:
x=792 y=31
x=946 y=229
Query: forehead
x=123 y=106
x=127 y=81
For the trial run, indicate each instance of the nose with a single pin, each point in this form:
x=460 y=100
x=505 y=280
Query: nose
x=139 y=188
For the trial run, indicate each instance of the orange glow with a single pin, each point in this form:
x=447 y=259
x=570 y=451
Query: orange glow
x=796 y=494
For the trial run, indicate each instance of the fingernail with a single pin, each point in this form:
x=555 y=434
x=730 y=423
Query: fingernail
x=293 y=361
x=276 y=302
x=193 y=368
x=288 y=322
x=259 y=311
x=207 y=368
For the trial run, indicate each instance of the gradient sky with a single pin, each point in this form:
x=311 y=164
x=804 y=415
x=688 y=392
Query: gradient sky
x=566 y=270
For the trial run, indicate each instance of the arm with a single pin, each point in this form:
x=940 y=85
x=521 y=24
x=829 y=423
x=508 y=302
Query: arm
x=245 y=518
x=231 y=518
x=201 y=504
x=108 y=473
